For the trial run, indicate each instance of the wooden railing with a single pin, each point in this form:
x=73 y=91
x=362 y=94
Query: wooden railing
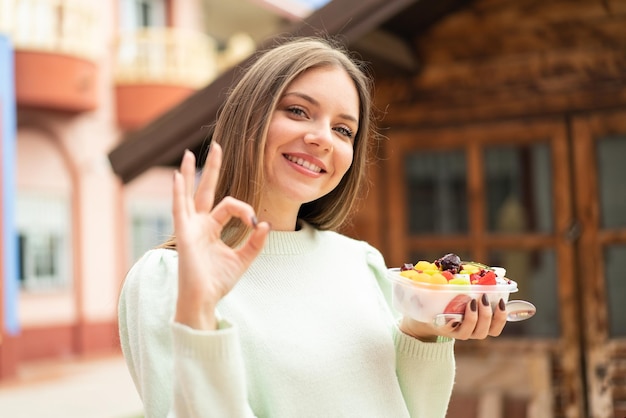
x=166 y=56
x=59 y=26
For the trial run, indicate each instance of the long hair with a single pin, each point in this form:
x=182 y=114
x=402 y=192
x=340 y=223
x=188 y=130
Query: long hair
x=242 y=125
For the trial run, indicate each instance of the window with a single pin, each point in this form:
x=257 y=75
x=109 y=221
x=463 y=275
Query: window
x=436 y=193
x=137 y=14
x=518 y=187
x=150 y=225
x=43 y=227
x=611 y=173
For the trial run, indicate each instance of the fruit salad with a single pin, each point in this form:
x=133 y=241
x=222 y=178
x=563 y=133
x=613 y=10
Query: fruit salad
x=449 y=269
x=426 y=289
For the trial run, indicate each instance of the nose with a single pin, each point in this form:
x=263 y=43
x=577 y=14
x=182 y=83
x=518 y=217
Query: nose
x=321 y=136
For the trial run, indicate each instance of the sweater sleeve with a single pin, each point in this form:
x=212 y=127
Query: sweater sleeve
x=178 y=371
x=425 y=371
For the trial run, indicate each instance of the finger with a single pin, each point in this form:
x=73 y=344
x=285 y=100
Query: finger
x=188 y=171
x=484 y=318
x=230 y=208
x=179 y=202
x=450 y=328
x=466 y=329
x=251 y=249
x=205 y=194
x=499 y=319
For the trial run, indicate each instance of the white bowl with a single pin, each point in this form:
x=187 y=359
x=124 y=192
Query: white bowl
x=423 y=301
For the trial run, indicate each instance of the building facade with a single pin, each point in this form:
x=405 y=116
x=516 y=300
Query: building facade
x=76 y=77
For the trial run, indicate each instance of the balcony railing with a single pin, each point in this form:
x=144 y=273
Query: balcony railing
x=56 y=26
x=56 y=43
x=169 y=56
x=157 y=68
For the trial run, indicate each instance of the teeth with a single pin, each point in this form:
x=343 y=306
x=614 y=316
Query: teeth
x=304 y=163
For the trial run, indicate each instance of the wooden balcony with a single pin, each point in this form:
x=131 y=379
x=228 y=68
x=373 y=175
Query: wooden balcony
x=55 y=47
x=157 y=68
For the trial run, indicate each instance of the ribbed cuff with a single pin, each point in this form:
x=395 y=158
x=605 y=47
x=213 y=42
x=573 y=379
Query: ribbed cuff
x=412 y=347
x=219 y=344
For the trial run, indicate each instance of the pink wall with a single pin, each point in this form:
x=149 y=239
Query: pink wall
x=65 y=155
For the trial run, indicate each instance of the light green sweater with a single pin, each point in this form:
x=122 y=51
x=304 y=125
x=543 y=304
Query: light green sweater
x=307 y=332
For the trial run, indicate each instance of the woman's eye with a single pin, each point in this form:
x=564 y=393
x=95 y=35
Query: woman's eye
x=347 y=132
x=296 y=111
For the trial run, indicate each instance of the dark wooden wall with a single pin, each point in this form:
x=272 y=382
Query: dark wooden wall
x=506 y=58
x=503 y=60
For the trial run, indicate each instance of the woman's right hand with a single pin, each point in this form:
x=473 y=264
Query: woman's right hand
x=207 y=267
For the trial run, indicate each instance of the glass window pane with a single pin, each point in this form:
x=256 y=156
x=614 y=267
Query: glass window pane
x=611 y=175
x=150 y=225
x=43 y=227
x=614 y=257
x=536 y=276
x=519 y=188
x=436 y=192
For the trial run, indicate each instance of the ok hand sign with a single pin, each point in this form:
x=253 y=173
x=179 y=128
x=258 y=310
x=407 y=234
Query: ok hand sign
x=208 y=268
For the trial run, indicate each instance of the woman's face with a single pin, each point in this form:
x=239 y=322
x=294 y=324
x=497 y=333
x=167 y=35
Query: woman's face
x=310 y=139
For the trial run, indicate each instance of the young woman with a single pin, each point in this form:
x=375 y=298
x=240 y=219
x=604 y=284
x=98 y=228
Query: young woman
x=257 y=308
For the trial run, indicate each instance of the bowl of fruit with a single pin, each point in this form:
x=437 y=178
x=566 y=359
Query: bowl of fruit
x=439 y=291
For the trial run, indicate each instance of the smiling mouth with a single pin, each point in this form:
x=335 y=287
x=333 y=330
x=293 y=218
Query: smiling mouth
x=303 y=163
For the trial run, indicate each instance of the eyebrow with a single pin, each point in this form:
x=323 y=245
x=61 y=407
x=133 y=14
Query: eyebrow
x=316 y=103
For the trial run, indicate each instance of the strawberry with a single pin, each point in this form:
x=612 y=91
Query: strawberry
x=448 y=275
x=457 y=304
x=489 y=278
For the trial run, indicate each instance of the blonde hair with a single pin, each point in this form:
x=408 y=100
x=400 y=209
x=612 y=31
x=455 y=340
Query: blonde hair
x=242 y=125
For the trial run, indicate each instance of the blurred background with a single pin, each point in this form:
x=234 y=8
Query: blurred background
x=504 y=140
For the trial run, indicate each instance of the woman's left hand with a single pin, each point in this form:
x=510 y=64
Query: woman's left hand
x=479 y=322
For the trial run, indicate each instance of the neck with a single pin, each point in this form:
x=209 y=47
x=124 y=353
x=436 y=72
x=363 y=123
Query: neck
x=281 y=218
